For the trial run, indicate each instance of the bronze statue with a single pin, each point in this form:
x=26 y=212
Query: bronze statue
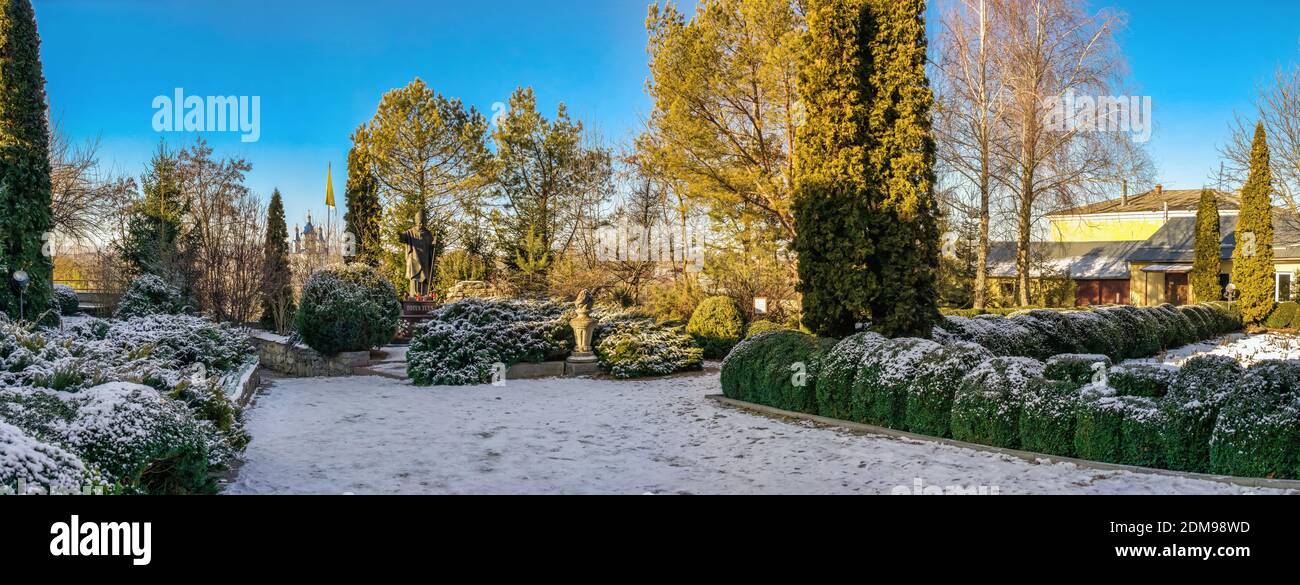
x=419 y=257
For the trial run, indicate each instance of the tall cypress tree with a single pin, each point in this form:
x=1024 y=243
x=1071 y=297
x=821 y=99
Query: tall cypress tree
x=833 y=191
x=362 y=198
x=25 y=217
x=1252 y=260
x=902 y=159
x=1205 y=267
x=277 y=283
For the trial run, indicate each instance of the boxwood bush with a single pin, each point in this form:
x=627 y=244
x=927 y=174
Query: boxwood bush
x=762 y=326
x=1047 y=417
x=986 y=406
x=149 y=295
x=1151 y=381
x=879 y=394
x=1098 y=427
x=1079 y=369
x=716 y=325
x=66 y=300
x=1257 y=432
x=1191 y=408
x=839 y=372
x=777 y=368
x=930 y=393
x=347 y=308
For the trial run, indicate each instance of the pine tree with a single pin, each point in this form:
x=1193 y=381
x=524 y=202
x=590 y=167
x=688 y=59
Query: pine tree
x=833 y=192
x=1205 y=267
x=902 y=161
x=361 y=196
x=1252 y=260
x=25 y=216
x=277 y=283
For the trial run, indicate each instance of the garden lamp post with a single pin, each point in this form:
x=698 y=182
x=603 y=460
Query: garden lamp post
x=22 y=281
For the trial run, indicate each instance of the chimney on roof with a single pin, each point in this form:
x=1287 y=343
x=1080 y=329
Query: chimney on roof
x=1160 y=190
x=1123 y=201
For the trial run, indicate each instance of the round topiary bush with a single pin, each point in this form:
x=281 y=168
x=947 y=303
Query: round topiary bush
x=930 y=393
x=149 y=295
x=1142 y=380
x=986 y=406
x=640 y=347
x=1282 y=316
x=347 y=308
x=717 y=325
x=66 y=300
x=778 y=368
x=880 y=390
x=840 y=370
x=1079 y=369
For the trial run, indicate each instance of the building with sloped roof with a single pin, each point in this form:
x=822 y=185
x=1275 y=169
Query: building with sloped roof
x=1139 y=250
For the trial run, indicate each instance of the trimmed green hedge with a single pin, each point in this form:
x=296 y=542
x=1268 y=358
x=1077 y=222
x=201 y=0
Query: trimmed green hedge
x=840 y=371
x=1047 y=417
x=880 y=390
x=986 y=407
x=1142 y=380
x=1257 y=434
x=1079 y=369
x=1192 y=408
x=930 y=392
x=764 y=369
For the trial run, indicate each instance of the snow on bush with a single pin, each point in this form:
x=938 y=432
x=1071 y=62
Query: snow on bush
x=1118 y=332
x=986 y=406
x=66 y=300
x=140 y=439
x=880 y=390
x=930 y=392
x=1257 y=432
x=634 y=348
x=840 y=370
x=149 y=295
x=1079 y=369
x=1047 y=417
x=347 y=308
x=1142 y=380
x=30 y=466
x=463 y=341
x=1200 y=388
x=1115 y=428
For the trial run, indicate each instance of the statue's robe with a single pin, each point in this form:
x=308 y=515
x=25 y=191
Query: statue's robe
x=419 y=260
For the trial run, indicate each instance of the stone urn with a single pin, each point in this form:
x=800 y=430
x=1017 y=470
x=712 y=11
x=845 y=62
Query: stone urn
x=583 y=361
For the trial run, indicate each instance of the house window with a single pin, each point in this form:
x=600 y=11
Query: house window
x=1283 y=289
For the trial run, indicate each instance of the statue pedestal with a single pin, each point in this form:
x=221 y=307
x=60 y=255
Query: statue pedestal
x=582 y=364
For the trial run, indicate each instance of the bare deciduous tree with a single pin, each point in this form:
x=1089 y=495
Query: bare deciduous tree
x=1279 y=110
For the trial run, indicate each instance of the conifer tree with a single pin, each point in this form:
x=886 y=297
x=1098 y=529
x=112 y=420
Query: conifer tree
x=25 y=216
x=833 y=191
x=902 y=161
x=277 y=289
x=1252 y=260
x=361 y=195
x=1205 y=267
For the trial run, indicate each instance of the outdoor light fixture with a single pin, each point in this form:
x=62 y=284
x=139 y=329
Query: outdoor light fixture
x=22 y=281
x=760 y=305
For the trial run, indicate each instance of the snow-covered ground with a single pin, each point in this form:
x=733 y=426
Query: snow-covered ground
x=1246 y=349
x=373 y=435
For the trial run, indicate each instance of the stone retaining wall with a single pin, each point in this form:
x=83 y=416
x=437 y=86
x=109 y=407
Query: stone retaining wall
x=298 y=360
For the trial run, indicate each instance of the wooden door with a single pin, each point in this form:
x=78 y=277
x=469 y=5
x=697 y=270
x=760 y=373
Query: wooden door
x=1177 y=290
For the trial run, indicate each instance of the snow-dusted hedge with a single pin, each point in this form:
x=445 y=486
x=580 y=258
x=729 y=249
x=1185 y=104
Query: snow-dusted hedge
x=635 y=348
x=839 y=373
x=1202 y=386
x=881 y=388
x=137 y=400
x=931 y=388
x=347 y=308
x=149 y=295
x=986 y=406
x=463 y=341
x=31 y=466
x=1258 y=431
x=777 y=368
x=1118 y=332
x=66 y=300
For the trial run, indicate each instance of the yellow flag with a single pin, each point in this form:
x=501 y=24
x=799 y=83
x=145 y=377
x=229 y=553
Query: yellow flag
x=329 y=187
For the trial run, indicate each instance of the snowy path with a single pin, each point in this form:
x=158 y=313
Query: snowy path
x=375 y=435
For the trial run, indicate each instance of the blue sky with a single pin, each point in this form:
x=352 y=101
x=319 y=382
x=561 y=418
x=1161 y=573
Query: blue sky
x=321 y=67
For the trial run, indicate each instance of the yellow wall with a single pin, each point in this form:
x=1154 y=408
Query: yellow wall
x=1146 y=289
x=1092 y=229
